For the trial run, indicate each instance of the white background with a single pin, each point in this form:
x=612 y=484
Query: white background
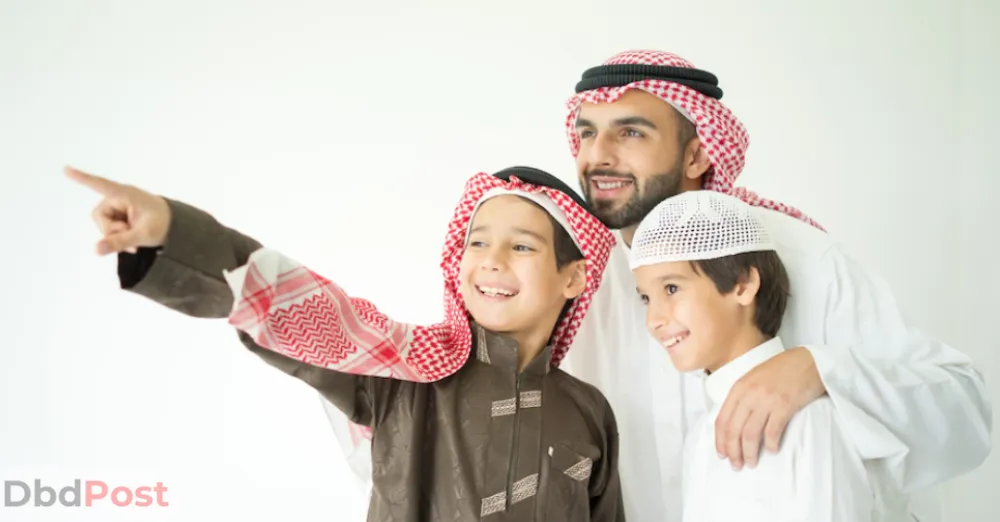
x=341 y=134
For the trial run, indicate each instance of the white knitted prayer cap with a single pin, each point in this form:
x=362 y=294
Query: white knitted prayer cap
x=698 y=225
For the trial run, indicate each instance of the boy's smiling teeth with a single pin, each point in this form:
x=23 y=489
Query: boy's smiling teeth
x=493 y=291
x=670 y=341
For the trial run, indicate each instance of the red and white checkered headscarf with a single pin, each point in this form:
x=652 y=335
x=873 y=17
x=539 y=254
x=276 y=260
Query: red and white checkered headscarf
x=722 y=135
x=287 y=308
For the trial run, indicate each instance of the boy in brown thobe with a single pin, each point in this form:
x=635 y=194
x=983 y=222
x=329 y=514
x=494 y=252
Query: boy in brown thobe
x=471 y=419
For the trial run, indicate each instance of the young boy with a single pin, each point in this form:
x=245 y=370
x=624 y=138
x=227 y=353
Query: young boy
x=715 y=292
x=471 y=419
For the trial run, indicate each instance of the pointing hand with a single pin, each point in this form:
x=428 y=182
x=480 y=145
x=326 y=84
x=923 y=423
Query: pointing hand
x=127 y=217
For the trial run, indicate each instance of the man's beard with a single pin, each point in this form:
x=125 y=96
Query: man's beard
x=654 y=190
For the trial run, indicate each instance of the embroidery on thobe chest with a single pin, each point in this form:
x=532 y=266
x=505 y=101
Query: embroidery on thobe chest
x=528 y=486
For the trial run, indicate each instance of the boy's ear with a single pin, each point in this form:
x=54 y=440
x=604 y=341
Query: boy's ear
x=577 y=279
x=747 y=287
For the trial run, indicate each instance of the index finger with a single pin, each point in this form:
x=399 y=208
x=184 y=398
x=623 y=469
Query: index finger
x=98 y=184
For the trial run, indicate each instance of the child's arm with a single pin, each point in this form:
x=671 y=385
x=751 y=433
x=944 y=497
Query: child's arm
x=606 y=504
x=287 y=308
x=186 y=275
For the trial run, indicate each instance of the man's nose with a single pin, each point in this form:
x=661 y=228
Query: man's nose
x=602 y=152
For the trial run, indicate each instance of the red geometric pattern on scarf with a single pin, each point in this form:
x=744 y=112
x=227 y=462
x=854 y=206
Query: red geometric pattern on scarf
x=723 y=136
x=307 y=317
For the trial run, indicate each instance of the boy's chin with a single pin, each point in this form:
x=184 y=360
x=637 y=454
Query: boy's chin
x=494 y=324
x=685 y=364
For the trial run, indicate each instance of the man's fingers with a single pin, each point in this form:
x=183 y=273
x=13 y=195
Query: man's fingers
x=734 y=439
x=98 y=184
x=776 y=424
x=752 y=437
x=723 y=421
x=732 y=436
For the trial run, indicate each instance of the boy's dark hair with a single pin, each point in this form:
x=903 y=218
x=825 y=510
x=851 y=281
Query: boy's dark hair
x=772 y=297
x=565 y=248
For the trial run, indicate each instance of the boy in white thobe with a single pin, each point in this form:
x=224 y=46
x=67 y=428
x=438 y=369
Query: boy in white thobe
x=715 y=292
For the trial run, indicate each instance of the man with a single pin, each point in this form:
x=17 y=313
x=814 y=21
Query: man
x=647 y=125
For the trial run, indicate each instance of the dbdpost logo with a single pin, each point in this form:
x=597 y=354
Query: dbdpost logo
x=82 y=493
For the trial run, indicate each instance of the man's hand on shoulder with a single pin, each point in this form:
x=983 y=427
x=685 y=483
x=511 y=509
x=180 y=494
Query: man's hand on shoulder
x=760 y=405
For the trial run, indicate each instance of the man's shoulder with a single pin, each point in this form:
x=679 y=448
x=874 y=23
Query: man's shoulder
x=811 y=256
x=794 y=236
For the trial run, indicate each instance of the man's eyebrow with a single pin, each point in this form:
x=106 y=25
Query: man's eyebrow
x=620 y=122
x=634 y=120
